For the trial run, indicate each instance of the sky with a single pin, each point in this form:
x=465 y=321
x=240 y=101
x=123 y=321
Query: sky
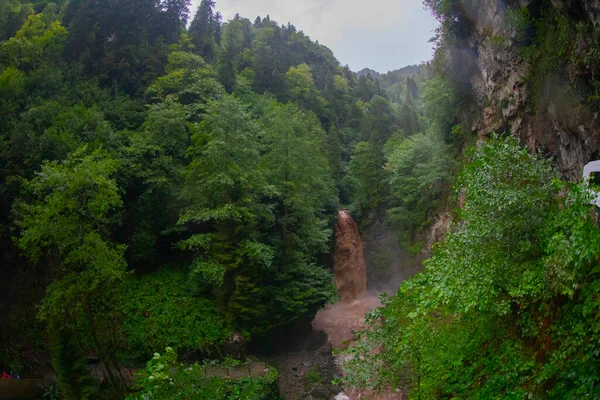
x=380 y=34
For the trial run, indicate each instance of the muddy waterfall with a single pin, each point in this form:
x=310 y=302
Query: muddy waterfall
x=340 y=320
x=349 y=262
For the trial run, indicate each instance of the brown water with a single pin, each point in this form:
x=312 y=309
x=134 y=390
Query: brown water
x=340 y=321
x=348 y=260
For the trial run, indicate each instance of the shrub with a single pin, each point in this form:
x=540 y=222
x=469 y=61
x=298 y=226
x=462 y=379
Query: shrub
x=159 y=311
x=166 y=379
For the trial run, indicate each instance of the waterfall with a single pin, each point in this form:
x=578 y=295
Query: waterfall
x=348 y=260
x=339 y=321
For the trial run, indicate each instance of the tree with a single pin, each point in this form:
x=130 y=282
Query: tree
x=269 y=64
x=189 y=80
x=296 y=165
x=381 y=121
x=152 y=165
x=300 y=82
x=40 y=39
x=222 y=190
x=303 y=91
x=411 y=88
x=205 y=30
x=522 y=244
x=409 y=120
x=236 y=41
x=420 y=170
x=176 y=14
x=67 y=223
x=365 y=180
x=442 y=106
x=124 y=44
x=12 y=15
x=226 y=73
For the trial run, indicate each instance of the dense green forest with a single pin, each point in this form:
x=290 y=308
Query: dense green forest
x=169 y=178
x=170 y=181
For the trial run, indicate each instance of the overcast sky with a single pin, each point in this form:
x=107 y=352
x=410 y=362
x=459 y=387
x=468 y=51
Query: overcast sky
x=380 y=34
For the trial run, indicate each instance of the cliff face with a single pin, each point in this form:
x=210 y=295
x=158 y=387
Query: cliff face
x=548 y=109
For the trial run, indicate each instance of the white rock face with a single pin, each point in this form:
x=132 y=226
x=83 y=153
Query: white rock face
x=342 y=396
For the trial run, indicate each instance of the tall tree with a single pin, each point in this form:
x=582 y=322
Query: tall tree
x=176 y=14
x=222 y=189
x=304 y=199
x=123 y=43
x=205 y=30
x=68 y=225
x=409 y=120
x=381 y=121
x=297 y=166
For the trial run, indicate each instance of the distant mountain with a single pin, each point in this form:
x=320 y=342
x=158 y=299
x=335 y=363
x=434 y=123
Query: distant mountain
x=368 y=71
x=397 y=73
x=404 y=72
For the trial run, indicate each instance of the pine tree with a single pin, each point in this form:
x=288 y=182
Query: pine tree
x=205 y=30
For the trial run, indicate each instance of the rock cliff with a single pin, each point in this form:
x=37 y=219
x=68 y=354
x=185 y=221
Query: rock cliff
x=531 y=69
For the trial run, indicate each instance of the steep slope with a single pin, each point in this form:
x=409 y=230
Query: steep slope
x=529 y=67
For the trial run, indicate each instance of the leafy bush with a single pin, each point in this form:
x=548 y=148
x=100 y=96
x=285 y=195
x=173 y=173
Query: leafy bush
x=159 y=311
x=166 y=379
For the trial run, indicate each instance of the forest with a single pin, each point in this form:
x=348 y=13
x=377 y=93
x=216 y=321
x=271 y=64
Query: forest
x=170 y=184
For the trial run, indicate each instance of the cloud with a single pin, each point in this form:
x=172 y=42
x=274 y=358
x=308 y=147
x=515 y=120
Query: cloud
x=381 y=34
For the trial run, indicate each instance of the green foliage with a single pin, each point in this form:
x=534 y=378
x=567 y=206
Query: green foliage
x=72 y=375
x=74 y=199
x=165 y=378
x=365 y=177
x=40 y=39
x=313 y=376
x=300 y=81
x=303 y=193
x=297 y=167
x=189 y=81
x=159 y=310
x=500 y=307
x=12 y=15
x=519 y=20
x=52 y=393
x=442 y=106
x=382 y=121
x=121 y=147
x=123 y=45
x=508 y=197
x=302 y=89
x=263 y=218
x=152 y=166
x=453 y=16
x=420 y=174
x=67 y=225
x=223 y=187
x=205 y=30
x=562 y=48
